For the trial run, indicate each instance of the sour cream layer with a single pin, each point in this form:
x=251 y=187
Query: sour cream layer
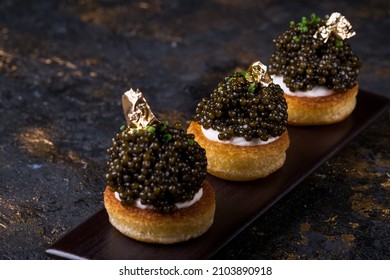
x=315 y=92
x=179 y=205
x=212 y=135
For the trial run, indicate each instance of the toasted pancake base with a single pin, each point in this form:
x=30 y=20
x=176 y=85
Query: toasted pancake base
x=241 y=163
x=150 y=226
x=321 y=110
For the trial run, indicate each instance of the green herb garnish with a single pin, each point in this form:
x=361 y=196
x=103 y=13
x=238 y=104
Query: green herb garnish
x=339 y=43
x=167 y=137
x=150 y=129
x=314 y=18
x=164 y=126
x=252 y=87
x=303 y=25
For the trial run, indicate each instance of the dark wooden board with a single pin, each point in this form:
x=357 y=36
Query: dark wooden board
x=238 y=203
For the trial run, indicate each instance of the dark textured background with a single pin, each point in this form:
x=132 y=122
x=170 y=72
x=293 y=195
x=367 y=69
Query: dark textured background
x=65 y=64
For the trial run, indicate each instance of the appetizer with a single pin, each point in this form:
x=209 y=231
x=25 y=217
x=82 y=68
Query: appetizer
x=242 y=126
x=156 y=189
x=317 y=69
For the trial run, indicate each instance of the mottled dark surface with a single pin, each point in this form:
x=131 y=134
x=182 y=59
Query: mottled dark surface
x=65 y=64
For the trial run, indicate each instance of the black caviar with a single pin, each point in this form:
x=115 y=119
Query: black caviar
x=239 y=107
x=160 y=165
x=306 y=62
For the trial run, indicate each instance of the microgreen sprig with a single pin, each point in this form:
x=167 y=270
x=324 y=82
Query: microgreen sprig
x=164 y=125
x=122 y=127
x=167 y=137
x=245 y=74
x=339 y=43
x=252 y=87
x=150 y=129
x=303 y=25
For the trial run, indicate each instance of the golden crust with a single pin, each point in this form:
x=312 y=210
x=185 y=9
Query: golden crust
x=154 y=227
x=241 y=163
x=321 y=110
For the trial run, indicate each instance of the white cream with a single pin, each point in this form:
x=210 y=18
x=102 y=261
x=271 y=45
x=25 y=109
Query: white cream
x=179 y=205
x=212 y=135
x=315 y=92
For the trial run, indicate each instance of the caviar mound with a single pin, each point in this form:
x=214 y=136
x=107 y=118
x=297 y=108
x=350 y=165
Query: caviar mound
x=158 y=166
x=242 y=163
x=151 y=226
x=240 y=107
x=305 y=62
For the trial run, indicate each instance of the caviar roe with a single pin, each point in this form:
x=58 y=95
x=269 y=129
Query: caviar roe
x=239 y=107
x=305 y=62
x=160 y=165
